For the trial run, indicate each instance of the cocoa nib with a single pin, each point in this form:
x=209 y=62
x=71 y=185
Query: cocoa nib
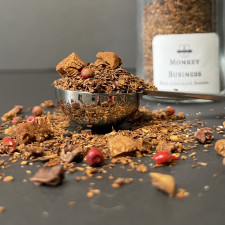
x=204 y=135
x=50 y=177
x=72 y=153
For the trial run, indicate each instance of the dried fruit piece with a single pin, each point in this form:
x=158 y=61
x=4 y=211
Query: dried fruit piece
x=162 y=145
x=162 y=157
x=220 y=147
x=11 y=113
x=8 y=179
x=87 y=72
x=90 y=172
x=51 y=177
x=92 y=192
x=47 y=103
x=121 y=181
x=121 y=145
x=70 y=66
x=182 y=193
x=141 y=168
x=95 y=157
x=204 y=135
x=163 y=182
x=111 y=58
x=24 y=163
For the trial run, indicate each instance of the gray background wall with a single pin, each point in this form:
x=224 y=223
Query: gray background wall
x=37 y=34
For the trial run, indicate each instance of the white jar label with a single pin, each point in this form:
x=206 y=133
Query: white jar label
x=186 y=62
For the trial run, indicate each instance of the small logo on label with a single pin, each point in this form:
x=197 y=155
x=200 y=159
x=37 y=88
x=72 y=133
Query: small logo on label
x=184 y=51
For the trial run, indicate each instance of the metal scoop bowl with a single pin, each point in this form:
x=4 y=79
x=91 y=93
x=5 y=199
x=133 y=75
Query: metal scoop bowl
x=97 y=109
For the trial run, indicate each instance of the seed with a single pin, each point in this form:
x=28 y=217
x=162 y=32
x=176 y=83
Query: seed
x=95 y=157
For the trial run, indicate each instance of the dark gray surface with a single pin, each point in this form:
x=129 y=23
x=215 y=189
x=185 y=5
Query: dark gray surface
x=136 y=203
x=45 y=32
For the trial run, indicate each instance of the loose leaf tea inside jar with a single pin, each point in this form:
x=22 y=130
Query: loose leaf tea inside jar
x=174 y=17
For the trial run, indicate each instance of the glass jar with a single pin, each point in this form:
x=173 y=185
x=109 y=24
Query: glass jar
x=181 y=44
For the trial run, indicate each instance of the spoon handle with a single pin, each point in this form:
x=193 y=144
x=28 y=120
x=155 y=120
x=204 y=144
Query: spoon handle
x=185 y=95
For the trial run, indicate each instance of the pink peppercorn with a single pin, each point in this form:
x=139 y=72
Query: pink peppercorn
x=9 y=142
x=162 y=157
x=95 y=157
x=87 y=73
x=37 y=110
x=30 y=118
x=169 y=110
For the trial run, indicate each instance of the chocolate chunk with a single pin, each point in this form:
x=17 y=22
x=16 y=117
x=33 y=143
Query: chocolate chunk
x=50 y=177
x=70 y=66
x=121 y=145
x=204 y=135
x=111 y=58
x=72 y=153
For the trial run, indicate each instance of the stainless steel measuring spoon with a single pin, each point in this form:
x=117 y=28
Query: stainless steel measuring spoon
x=86 y=108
